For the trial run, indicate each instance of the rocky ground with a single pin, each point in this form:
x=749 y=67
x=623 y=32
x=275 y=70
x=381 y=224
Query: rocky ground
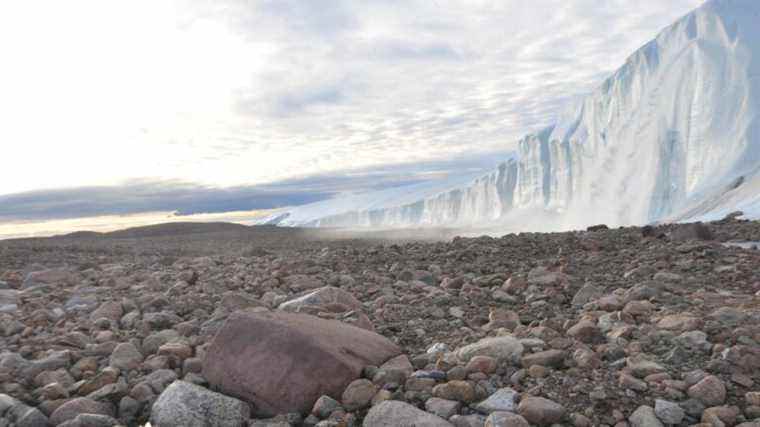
x=230 y=325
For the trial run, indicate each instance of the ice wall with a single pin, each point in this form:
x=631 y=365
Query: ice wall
x=666 y=136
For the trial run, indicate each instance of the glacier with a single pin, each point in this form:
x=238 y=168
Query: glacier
x=672 y=135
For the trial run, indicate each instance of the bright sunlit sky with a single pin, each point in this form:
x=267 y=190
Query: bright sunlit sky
x=154 y=94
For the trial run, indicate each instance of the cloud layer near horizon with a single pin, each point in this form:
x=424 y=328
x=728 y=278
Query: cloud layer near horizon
x=240 y=93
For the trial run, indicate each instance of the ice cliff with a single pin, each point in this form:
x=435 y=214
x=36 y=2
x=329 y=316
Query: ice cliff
x=673 y=134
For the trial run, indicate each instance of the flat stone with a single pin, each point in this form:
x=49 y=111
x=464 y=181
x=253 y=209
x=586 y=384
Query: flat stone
x=189 y=405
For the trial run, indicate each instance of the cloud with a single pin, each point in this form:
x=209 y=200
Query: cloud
x=239 y=93
x=141 y=196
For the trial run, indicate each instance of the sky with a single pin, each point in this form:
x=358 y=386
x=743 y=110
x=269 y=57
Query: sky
x=147 y=104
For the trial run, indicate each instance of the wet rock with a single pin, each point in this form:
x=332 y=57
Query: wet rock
x=188 y=405
x=300 y=357
x=392 y=413
x=541 y=411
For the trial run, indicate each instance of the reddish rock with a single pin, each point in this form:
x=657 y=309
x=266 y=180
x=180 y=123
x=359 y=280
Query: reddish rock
x=283 y=362
x=541 y=411
x=711 y=391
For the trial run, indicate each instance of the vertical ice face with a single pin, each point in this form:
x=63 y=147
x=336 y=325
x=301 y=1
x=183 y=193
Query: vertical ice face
x=666 y=136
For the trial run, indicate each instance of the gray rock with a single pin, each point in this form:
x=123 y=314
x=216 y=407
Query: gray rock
x=444 y=408
x=506 y=419
x=587 y=293
x=694 y=340
x=668 y=412
x=91 y=420
x=501 y=401
x=504 y=348
x=358 y=394
x=474 y=420
x=81 y=405
x=188 y=405
x=8 y=301
x=19 y=414
x=126 y=357
x=644 y=416
x=392 y=413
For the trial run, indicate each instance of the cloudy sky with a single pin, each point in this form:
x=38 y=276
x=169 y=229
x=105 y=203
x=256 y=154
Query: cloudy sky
x=286 y=101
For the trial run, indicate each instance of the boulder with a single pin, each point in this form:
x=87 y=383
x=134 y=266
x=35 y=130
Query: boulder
x=393 y=413
x=183 y=404
x=283 y=362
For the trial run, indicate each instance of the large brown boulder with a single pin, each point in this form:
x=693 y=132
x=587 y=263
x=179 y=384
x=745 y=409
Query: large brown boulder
x=283 y=362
